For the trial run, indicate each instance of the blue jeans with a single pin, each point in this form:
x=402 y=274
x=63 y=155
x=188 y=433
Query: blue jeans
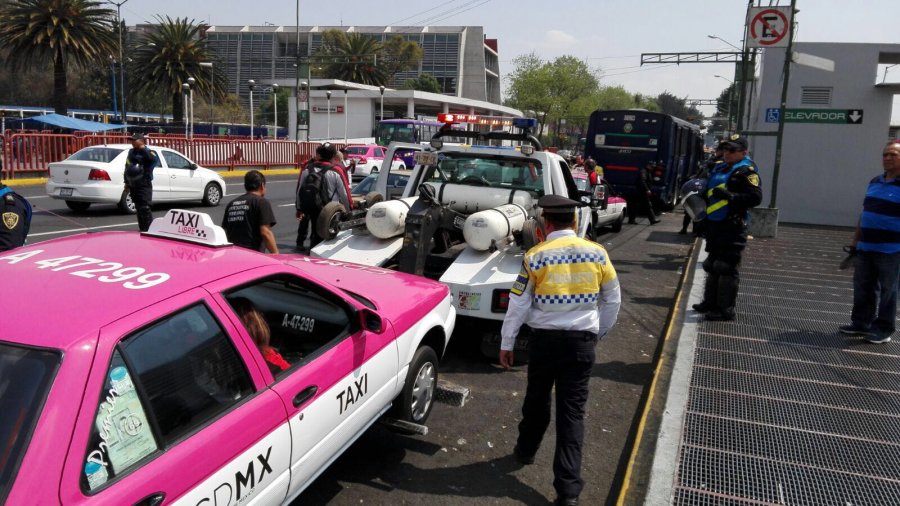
x=875 y=286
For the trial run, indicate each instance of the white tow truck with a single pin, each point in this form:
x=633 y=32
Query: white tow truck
x=465 y=218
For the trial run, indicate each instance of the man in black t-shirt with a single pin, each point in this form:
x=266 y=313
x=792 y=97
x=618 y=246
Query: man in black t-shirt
x=249 y=218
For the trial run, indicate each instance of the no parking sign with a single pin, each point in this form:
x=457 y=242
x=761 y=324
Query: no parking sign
x=769 y=26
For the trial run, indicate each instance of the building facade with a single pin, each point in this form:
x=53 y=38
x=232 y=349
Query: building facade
x=838 y=124
x=463 y=61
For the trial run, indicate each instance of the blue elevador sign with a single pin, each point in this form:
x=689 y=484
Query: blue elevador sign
x=772 y=114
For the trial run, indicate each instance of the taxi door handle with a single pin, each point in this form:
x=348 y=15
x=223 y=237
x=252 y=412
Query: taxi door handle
x=152 y=500
x=305 y=395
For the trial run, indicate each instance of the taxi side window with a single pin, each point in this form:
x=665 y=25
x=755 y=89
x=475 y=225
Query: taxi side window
x=176 y=161
x=300 y=320
x=164 y=382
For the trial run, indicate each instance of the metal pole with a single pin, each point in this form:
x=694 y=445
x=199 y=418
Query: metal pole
x=345 y=117
x=743 y=70
x=328 y=97
x=212 y=78
x=381 y=118
x=121 y=55
x=784 y=90
x=191 y=82
x=184 y=106
x=251 y=84
x=297 y=77
x=275 y=99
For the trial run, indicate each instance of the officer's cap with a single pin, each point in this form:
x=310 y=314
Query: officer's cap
x=736 y=142
x=137 y=137
x=555 y=204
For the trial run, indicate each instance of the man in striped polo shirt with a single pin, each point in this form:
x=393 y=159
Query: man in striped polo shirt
x=877 y=247
x=568 y=293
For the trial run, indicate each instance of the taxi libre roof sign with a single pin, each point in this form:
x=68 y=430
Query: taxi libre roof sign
x=188 y=226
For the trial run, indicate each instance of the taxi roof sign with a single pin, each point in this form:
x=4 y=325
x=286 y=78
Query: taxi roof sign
x=188 y=226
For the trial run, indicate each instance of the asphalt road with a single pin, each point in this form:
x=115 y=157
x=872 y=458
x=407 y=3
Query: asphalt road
x=465 y=458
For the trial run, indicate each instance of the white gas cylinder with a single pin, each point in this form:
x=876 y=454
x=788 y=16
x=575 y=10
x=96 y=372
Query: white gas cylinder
x=387 y=219
x=496 y=224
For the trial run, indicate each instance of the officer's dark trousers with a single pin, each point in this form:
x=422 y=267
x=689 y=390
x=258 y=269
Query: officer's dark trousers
x=724 y=244
x=142 y=196
x=567 y=363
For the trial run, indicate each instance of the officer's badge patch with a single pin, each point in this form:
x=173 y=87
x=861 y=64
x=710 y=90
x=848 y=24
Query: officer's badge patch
x=754 y=179
x=10 y=220
x=521 y=282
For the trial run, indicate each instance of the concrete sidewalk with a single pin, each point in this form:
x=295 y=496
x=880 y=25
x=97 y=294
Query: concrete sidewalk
x=777 y=407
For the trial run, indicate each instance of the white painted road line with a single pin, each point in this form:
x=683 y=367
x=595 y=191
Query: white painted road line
x=286 y=205
x=85 y=229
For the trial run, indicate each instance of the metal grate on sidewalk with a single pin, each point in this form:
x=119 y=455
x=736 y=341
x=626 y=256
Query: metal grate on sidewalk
x=781 y=408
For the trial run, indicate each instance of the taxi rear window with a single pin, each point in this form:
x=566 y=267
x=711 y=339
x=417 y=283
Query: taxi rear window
x=25 y=378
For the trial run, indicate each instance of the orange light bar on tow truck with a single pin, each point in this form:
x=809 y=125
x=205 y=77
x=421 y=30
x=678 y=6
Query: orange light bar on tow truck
x=451 y=118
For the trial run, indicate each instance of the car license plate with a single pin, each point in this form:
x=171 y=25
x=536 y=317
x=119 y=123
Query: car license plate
x=66 y=192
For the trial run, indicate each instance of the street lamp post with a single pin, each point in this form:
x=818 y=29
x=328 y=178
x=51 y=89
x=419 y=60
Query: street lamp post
x=730 y=99
x=345 y=116
x=251 y=84
x=185 y=89
x=121 y=55
x=725 y=41
x=328 y=97
x=191 y=82
x=275 y=101
x=381 y=89
x=212 y=78
x=304 y=106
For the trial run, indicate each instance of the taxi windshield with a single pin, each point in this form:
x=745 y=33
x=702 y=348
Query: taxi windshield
x=25 y=378
x=102 y=155
x=496 y=171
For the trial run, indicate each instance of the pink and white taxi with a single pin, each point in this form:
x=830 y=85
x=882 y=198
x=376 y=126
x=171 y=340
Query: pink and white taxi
x=172 y=368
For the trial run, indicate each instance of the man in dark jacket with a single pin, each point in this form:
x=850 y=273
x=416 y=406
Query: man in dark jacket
x=139 y=167
x=640 y=200
x=731 y=190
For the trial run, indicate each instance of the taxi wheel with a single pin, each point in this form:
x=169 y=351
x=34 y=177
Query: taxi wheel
x=126 y=205
x=374 y=170
x=212 y=195
x=373 y=198
x=78 y=207
x=415 y=402
x=617 y=226
x=329 y=219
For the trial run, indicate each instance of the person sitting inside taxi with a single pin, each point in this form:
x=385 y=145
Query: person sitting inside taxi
x=259 y=330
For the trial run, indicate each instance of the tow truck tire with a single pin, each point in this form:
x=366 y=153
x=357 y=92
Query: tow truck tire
x=373 y=198
x=78 y=206
x=532 y=234
x=617 y=226
x=327 y=224
x=126 y=205
x=417 y=398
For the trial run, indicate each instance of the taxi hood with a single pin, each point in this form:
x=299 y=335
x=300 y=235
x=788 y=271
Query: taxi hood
x=401 y=298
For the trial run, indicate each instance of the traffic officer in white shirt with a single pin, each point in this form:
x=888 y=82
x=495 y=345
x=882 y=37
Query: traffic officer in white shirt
x=568 y=293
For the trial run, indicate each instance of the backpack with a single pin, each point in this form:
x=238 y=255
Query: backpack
x=312 y=195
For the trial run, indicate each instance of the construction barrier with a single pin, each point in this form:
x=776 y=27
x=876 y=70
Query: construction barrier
x=25 y=154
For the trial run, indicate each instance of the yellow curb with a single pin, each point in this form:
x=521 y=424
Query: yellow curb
x=26 y=181
x=268 y=172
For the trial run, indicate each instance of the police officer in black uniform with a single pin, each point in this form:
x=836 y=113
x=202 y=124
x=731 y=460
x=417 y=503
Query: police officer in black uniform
x=139 y=167
x=15 y=218
x=568 y=294
x=731 y=190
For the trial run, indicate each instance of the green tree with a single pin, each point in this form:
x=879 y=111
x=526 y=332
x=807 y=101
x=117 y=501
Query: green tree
x=350 y=57
x=167 y=56
x=726 y=106
x=670 y=104
x=399 y=55
x=425 y=82
x=267 y=109
x=35 y=32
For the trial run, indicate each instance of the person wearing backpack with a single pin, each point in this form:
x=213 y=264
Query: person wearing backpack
x=139 y=179
x=15 y=218
x=320 y=182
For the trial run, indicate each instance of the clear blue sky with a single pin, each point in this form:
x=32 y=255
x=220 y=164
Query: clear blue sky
x=608 y=34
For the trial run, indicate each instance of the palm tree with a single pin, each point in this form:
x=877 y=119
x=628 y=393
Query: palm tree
x=34 y=32
x=169 y=55
x=351 y=57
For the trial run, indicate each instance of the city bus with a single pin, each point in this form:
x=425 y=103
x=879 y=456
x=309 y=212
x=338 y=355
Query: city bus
x=624 y=142
x=405 y=130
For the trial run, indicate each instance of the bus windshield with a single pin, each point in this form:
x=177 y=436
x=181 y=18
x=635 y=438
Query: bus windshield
x=395 y=132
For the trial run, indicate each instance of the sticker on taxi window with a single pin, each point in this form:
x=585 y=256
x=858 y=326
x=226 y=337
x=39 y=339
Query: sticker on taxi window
x=133 y=278
x=426 y=157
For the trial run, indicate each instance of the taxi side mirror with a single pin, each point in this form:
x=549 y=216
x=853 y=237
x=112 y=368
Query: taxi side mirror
x=192 y=166
x=370 y=321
